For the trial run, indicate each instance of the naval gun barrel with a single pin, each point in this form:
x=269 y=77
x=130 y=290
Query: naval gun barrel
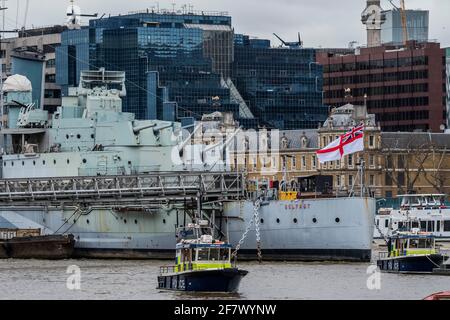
x=157 y=129
x=189 y=139
x=137 y=130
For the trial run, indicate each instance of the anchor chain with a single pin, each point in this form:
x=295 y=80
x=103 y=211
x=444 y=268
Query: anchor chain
x=255 y=220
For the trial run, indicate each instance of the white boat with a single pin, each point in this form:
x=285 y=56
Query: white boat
x=427 y=212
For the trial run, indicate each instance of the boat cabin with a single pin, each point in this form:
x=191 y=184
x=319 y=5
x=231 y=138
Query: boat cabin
x=412 y=244
x=202 y=255
x=423 y=201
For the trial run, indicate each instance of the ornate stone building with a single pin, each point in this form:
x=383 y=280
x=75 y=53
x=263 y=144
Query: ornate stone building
x=394 y=163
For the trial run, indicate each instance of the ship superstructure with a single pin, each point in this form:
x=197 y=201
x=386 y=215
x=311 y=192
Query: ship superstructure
x=123 y=186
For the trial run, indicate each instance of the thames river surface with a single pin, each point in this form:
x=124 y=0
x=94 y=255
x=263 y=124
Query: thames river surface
x=115 y=279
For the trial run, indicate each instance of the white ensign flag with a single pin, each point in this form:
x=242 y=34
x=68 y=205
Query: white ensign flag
x=349 y=143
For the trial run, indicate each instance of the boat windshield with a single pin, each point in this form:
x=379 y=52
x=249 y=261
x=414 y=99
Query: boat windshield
x=213 y=254
x=420 y=243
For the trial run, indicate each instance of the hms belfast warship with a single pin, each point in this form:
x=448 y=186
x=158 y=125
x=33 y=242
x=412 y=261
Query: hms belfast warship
x=122 y=186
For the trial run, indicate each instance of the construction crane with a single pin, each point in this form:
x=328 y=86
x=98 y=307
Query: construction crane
x=402 y=10
x=404 y=22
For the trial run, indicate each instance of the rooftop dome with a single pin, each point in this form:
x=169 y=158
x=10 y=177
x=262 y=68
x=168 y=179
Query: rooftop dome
x=17 y=83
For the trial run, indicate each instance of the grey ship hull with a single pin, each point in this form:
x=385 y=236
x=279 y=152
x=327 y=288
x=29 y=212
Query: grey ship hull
x=320 y=229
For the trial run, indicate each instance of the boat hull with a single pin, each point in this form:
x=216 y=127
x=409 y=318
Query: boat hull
x=225 y=280
x=342 y=230
x=41 y=247
x=411 y=264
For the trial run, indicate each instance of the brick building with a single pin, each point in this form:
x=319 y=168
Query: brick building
x=405 y=86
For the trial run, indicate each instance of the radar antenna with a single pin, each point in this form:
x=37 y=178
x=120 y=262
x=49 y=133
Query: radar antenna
x=74 y=16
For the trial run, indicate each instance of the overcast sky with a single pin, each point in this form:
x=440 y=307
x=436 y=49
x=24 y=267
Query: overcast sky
x=326 y=23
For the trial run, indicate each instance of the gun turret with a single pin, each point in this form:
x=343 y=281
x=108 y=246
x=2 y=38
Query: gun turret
x=157 y=129
x=137 y=130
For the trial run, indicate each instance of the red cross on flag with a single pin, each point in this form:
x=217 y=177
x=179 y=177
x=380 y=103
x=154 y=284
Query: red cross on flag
x=349 y=143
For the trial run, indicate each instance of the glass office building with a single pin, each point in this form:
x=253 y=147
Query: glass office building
x=169 y=59
x=281 y=86
x=417 y=21
x=184 y=65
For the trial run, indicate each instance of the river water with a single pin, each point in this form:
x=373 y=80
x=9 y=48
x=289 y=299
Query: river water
x=116 y=279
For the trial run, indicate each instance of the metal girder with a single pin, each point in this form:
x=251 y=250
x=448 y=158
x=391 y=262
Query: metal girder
x=149 y=188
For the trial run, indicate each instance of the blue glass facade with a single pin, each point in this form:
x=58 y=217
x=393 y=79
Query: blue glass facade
x=72 y=56
x=185 y=63
x=418 y=22
x=282 y=87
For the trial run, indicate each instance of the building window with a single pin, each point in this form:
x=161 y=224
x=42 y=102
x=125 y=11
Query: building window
x=294 y=163
x=338 y=181
x=372 y=160
x=350 y=160
x=372 y=180
x=447 y=226
x=304 y=162
x=350 y=181
x=388 y=179
x=314 y=162
x=371 y=141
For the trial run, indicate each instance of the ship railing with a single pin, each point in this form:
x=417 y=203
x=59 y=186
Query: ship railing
x=178 y=268
x=383 y=255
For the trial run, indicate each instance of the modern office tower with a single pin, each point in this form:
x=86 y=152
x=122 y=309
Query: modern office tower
x=417 y=22
x=403 y=86
x=178 y=60
x=282 y=87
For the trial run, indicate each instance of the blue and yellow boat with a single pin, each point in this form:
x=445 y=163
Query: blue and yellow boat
x=202 y=265
x=411 y=252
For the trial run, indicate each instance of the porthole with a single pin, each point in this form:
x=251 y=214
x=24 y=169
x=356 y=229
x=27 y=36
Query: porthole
x=84 y=160
x=92 y=136
x=135 y=222
x=67 y=136
x=315 y=220
x=278 y=220
x=12 y=163
x=87 y=221
x=262 y=220
x=295 y=220
x=23 y=163
x=34 y=163
x=125 y=221
x=4 y=164
x=164 y=221
x=338 y=220
x=54 y=161
x=78 y=136
x=43 y=162
x=68 y=161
